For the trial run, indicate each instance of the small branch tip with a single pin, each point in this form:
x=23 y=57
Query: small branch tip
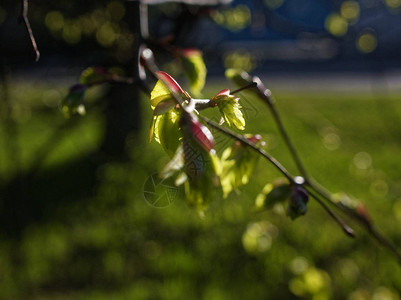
x=348 y=231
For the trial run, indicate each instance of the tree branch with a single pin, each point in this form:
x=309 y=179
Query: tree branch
x=348 y=230
x=24 y=18
x=266 y=96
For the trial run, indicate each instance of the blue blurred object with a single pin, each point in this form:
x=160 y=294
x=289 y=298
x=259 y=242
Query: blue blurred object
x=351 y=34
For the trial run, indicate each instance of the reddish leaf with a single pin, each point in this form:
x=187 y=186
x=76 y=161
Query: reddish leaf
x=197 y=131
x=225 y=92
x=171 y=83
x=190 y=52
x=202 y=135
x=362 y=211
x=255 y=138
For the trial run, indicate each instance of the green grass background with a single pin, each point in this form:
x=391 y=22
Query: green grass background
x=109 y=243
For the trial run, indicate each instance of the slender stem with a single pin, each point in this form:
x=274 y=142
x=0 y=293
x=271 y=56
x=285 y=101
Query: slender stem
x=267 y=98
x=348 y=230
x=251 y=85
x=252 y=145
x=25 y=20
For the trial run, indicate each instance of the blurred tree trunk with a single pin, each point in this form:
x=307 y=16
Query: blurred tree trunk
x=123 y=117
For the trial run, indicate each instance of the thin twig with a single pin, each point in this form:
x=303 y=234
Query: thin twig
x=266 y=96
x=251 y=85
x=24 y=18
x=348 y=230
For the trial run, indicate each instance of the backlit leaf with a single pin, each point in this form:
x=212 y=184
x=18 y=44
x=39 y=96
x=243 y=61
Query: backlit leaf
x=163 y=88
x=229 y=108
x=159 y=93
x=176 y=164
x=200 y=133
x=201 y=163
x=238 y=163
x=166 y=131
x=195 y=69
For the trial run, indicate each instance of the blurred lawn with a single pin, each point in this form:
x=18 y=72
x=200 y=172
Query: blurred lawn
x=111 y=244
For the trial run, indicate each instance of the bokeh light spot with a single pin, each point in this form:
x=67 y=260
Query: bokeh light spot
x=350 y=10
x=393 y=3
x=72 y=33
x=366 y=42
x=299 y=265
x=54 y=20
x=362 y=160
x=234 y=19
x=379 y=188
x=258 y=237
x=116 y=10
x=240 y=59
x=336 y=25
x=106 y=35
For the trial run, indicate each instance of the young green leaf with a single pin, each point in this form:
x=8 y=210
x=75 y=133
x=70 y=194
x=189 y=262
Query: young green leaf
x=176 y=164
x=201 y=163
x=201 y=134
x=166 y=131
x=238 y=163
x=165 y=121
x=195 y=69
x=73 y=102
x=229 y=107
x=161 y=92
